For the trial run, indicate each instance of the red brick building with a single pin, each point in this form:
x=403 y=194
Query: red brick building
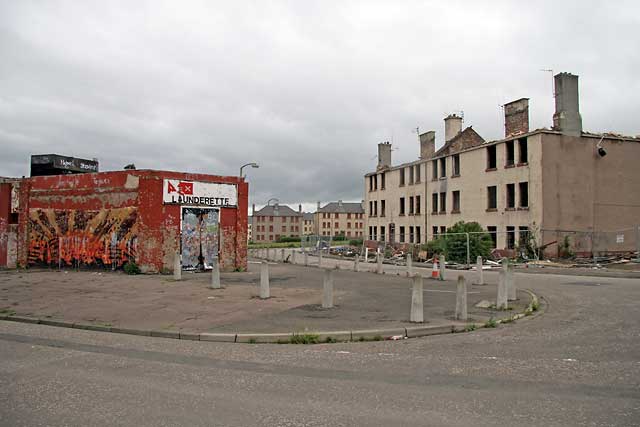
x=107 y=219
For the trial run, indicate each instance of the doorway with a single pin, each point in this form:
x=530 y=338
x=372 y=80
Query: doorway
x=199 y=237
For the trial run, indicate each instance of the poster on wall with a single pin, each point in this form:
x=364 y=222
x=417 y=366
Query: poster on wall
x=199 y=237
x=196 y=193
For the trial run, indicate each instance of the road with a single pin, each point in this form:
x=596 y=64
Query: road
x=576 y=364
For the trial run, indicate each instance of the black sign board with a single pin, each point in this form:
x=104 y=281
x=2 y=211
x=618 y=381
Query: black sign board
x=54 y=164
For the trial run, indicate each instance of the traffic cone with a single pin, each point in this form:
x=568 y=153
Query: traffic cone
x=435 y=271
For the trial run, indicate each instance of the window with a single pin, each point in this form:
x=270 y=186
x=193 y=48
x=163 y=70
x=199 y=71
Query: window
x=523 y=158
x=370 y=208
x=411 y=205
x=382 y=233
x=401 y=205
x=284 y=228
x=336 y=225
x=492 y=198
x=337 y=215
x=348 y=215
x=417 y=205
x=417 y=234
x=375 y=182
x=375 y=233
x=382 y=180
x=371 y=183
x=443 y=167
x=443 y=229
x=411 y=237
x=523 y=235
x=443 y=202
x=401 y=234
x=271 y=228
x=524 y=194
x=382 y=207
x=418 y=173
x=435 y=231
x=270 y=237
x=510 y=156
x=434 y=169
x=370 y=233
x=284 y=219
x=456 y=164
x=511 y=237
x=456 y=202
x=401 y=171
x=491 y=158
x=493 y=233
x=434 y=203
x=348 y=225
x=511 y=196
x=410 y=174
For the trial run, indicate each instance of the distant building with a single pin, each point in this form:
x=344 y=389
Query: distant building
x=308 y=226
x=275 y=221
x=340 y=218
x=546 y=180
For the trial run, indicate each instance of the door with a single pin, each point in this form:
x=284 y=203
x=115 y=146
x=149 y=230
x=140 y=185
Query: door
x=199 y=237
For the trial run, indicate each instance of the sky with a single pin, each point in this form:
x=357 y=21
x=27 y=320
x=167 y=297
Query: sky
x=307 y=89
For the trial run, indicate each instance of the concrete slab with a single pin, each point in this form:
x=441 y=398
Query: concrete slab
x=422 y=331
x=206 y=336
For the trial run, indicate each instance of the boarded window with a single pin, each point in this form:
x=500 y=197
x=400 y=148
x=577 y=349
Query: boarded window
x=511 y=195
x=524 y=194
x=509 y=153
x=491 y=157
x=523 y=152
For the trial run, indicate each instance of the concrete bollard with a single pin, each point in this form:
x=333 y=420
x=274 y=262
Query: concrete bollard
x=177 y=267
x=511 y=283
x=501 y=299
x=409 y=265
x=356 y=261
x=379 y=263
x=264 y=280
x=293 y=256
x=480 y=272
x=306 y=259
x=366 y=254
x=283 y=258
x=442 y=266
x=417 y=308
x=327 y=289
x=461 y=299
x=320 y=258
x=215 y=274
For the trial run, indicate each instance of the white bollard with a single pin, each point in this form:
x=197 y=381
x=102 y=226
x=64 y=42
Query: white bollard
x=366 y=254
x=356 y=261
x=177 y=267
x=461 y=299
x=264 y=280
x=306 y=259
x=417 y=308
x=293 y=256
x=282 y=255
x=480 y=271
x=409 y=265
x=511 y=283
x=501 y=299
x=379 y=263
x=215 y=274
x=320 y=258
x=327 y=289
x=442 y=266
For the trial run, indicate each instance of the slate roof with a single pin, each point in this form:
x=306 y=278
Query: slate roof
x=466 y=139
x=341 y=207
x=308 y=216
x=283 y=210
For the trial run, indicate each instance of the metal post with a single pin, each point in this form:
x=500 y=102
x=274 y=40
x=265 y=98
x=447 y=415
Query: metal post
x=306 y=259
x=215 y=274
x=468 y=252
x=417 y=307
x=327 y=289
x=293 y=256
x=511 y=283
x=320 y=258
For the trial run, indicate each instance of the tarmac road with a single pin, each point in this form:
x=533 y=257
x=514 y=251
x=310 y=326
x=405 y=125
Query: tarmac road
x=577 y=364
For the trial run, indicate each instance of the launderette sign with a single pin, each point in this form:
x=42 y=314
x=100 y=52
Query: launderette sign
x=195 y=193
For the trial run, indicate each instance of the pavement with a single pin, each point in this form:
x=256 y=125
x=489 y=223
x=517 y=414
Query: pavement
x=162 y=306
x=577 y=364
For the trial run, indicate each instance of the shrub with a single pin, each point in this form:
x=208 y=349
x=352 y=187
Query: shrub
x=288 y=239
x=355 y=242
x=339 y=238
x=131 y=268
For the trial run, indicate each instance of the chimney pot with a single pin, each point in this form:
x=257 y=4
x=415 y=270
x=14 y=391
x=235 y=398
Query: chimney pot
x=452 y=127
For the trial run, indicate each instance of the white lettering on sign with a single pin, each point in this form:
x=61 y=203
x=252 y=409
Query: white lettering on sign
x=196 y=193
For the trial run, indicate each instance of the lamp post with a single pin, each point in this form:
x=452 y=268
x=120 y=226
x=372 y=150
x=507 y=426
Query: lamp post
x=252 y=164
x=273 y=198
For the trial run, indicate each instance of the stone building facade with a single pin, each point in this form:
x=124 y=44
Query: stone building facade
x=340 y=218
x=275 y=221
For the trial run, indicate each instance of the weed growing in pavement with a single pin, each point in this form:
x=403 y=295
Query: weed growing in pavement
x=8 y=311
x=471 y=327
x=131 y=268
x=330 y=340
x=535 y=305
x=252 y=341
x=491 y=323
x=304 y=339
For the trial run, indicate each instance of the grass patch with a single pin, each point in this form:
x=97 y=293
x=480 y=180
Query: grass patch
x=252 y=341
x=535 y=305
x=471 y=327
x=491 y=323
x=131 y=268
x=304 y=339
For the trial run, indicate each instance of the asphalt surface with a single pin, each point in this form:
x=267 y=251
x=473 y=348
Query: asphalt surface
x=578 y=363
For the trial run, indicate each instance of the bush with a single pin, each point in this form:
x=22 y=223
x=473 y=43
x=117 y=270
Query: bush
x=131 y=268
x=339 y=238
x=289 y=239
x=454 y=246
x=565 y=249
x=355 y=242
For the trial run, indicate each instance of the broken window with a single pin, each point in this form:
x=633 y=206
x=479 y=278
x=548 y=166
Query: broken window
x=524 y=194
x=417 y=205
x=401 y=234
x=401 y=205
x=382 y=180
x=411 y=205
x=492 y=198
x=370 y=208
x=417 y=234
x=375 y=182
x=523 y=235
x=443 y=202
x=522 y=146
x=371 y=183
x=375 y=209
x=382 y=207
x=493 y=233
x=491 y=158
x=410 y=174
x=382 y=233
x=434 y=203
x=418 y=173
x=401 y=176
x=434 y=230
x=443 y=229
x=511 y=196
x=443 y=167
x=509 y=153
x=511 y=237
x=434 y=170
x=411 y=237
x=456 y=202
x=456 y=165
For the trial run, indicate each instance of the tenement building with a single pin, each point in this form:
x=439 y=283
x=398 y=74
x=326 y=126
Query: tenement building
x=340 y=218
x=543 y=181
x=275 y=221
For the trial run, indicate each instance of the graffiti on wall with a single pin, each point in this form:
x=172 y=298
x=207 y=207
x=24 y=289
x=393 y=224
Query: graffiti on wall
x=83 y=237
x=199 y=237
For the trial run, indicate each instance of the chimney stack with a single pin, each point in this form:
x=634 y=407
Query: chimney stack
x=318 y=209
x=339 y=203
x=516 y=117
x=427 y=144
x=276 y=209
x=384 y=155
x=253 y=210
x=452 y=127
x=567 y=117
x=300 y=208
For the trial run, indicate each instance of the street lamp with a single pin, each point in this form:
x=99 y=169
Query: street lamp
x=252 y=164
x=273 y=198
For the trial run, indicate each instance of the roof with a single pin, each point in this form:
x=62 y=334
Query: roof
x=308 y=216
x=341 y=207
x=277 y=210
x=468 y=138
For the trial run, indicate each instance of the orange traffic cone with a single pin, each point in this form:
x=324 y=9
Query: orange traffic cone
x=435 y=271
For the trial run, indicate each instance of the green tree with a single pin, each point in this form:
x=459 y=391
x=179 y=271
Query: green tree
x=455 y=245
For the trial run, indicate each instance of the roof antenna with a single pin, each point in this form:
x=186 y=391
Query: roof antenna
x=553 y=88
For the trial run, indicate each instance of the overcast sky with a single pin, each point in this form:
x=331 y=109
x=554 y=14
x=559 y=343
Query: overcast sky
x=306 y=89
